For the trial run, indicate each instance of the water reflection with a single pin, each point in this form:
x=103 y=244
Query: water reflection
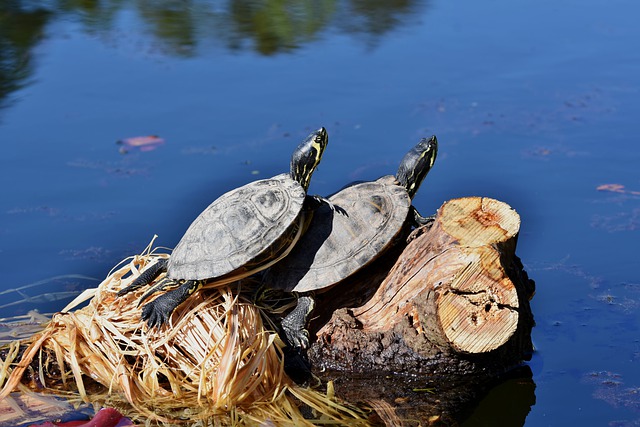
x=20 y=30
x=375 y=18
x=274 y=26
x=180 y=27
x=506 y=404
x=460 y=400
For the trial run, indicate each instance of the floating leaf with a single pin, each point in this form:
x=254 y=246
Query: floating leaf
x=142 y=143
x=617 y=188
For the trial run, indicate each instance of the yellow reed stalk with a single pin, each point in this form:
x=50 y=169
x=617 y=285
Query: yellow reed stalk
x=215 y=363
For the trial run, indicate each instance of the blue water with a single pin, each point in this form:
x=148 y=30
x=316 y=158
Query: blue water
x=534 y=103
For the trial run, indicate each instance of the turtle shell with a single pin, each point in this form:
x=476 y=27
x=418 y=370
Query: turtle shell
x=337 y=245
x=238 y=227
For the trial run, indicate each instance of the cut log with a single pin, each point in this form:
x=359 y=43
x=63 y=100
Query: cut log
x=455 y=269
x=456 y=298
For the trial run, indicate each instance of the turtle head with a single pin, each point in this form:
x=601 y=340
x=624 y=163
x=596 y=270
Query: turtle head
x=307 y=157
x=416 y=164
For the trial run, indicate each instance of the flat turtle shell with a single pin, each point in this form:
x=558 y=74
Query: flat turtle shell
x=336 y=245
x=237 y=228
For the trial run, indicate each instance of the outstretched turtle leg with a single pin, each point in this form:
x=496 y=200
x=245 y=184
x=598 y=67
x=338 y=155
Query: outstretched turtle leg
x=163 y=285
x=314 y=202
x=294 y=323
x=146 y=277
x=419 y=220
x=158 y=311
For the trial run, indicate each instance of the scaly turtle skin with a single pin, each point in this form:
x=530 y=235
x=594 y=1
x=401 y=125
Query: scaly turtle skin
x=336 y=246
x=244 y=231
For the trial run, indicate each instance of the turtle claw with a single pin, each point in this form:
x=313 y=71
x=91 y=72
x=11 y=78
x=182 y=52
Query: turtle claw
x=338 y=209
x=296 y=337
x=316 y=201
x=293 y=325
x=157 y=312
x=334 y=208
x=420 y=220
x=302 y=340
x=426 y=221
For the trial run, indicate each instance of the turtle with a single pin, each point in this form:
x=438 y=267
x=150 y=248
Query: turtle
x=336 y=246
x=241 y=233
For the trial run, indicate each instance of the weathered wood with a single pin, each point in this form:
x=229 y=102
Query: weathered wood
x=454 y=268
x=457 y=298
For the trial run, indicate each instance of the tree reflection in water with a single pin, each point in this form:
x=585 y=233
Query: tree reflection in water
x=180 y=27
x=20 y=29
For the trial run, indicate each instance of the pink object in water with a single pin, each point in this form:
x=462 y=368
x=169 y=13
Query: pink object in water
x=106 y=417
x=142 y=143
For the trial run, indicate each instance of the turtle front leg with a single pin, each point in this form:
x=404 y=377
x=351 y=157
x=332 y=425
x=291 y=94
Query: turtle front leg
x=315 y=201
x=419 y=220
x=295 y=322
x=158 y=311
x=146 y=277
x=162 y=285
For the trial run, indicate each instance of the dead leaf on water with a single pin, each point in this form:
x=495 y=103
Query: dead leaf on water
x=141 y=143
x=617 y=188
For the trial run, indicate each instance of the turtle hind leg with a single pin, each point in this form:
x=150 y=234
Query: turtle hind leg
x=295 y=322
x=158 y=311
x=146 y=277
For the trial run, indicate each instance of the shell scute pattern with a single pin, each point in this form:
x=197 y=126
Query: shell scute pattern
x=335 y=246
x=236 y=228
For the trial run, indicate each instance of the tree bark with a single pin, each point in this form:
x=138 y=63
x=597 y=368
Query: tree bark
x=456 y=299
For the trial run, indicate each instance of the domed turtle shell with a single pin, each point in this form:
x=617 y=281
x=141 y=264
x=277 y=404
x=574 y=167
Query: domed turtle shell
x=237 y=228
x=336 y=245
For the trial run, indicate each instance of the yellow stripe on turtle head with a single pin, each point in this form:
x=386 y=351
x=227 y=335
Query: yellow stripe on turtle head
x=307 y=157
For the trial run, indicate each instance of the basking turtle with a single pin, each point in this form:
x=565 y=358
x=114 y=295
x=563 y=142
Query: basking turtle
x=242 y=232
x=336 y=246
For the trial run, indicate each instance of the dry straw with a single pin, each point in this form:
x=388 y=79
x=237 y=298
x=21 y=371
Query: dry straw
x=214 y=364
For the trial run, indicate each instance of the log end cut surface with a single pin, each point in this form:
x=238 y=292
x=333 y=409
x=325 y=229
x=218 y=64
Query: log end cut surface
x=478 y=221
x=478 y=312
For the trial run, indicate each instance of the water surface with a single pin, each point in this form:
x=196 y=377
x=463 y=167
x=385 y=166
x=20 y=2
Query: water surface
x=534 y=103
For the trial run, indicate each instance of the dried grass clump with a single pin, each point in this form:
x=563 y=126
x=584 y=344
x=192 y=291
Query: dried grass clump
x=215 y=363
